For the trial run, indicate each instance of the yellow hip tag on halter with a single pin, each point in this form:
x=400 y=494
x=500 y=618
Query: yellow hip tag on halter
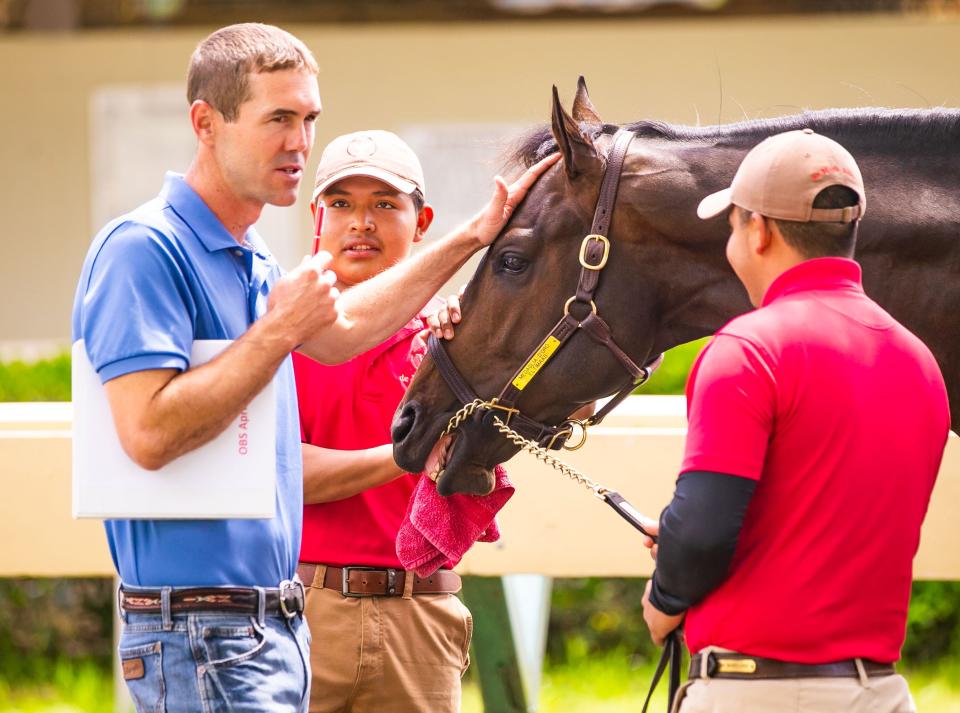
x=536 y=362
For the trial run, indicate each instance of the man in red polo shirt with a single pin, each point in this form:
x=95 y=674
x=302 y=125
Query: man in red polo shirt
x=817 y=425
x=383 y=639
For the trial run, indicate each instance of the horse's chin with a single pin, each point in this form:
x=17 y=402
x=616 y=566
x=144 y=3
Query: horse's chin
x=450 y=464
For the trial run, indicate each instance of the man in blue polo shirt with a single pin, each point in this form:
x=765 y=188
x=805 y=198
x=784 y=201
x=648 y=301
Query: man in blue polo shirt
x=213 y=621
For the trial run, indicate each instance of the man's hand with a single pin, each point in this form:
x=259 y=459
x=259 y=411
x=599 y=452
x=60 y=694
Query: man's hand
x=304 y=301
x=441 y=322
x=653 y=528
x=659 y=624
x=487 y=224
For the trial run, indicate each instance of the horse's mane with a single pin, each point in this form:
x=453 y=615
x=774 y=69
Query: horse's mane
x=901 y=127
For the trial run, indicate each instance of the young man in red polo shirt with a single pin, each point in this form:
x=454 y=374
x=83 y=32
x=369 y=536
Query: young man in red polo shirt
x=817 y=425
x=383 y=639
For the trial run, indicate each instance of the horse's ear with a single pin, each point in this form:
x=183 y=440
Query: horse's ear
x=583 y=109
x=579 y=153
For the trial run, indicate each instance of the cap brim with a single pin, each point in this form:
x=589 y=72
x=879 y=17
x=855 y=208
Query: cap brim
x=714 y=204
x=391 y=179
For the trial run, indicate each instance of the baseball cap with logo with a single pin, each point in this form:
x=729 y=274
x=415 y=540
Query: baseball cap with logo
x=378 y=154
x=782 y=175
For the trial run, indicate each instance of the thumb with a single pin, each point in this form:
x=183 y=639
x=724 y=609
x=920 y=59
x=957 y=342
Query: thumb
x=320 y=260
x=500 y=195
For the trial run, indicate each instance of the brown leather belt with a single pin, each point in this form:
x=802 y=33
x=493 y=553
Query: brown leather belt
x=743 y=667
x=379 y=582
x=287 y=599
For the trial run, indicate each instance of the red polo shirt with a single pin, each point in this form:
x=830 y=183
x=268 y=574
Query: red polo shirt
x=841 y=415
x=350 y=407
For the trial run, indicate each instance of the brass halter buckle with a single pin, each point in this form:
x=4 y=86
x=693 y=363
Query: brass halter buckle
x=492 y=404
x=583 y=251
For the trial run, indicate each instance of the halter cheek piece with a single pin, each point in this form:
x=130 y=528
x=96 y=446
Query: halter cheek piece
x=594 y=255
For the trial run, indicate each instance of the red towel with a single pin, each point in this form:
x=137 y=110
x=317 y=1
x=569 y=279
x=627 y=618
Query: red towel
x=437 y=531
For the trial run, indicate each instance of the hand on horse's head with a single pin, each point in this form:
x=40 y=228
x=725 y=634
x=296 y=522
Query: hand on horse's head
x=488 y=223
x=441 y=322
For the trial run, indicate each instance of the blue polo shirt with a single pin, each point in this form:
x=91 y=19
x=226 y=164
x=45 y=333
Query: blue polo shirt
x=153 y=281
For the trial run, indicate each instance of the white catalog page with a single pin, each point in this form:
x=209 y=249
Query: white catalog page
x=232 y=476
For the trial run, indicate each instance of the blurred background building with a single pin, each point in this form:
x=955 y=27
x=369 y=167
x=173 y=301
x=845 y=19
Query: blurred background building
x=94 y=109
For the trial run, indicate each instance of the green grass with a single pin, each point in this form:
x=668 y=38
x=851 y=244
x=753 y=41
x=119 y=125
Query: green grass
x=600 y=684
x=671 y=377
x=609 y=684
x=73 y=688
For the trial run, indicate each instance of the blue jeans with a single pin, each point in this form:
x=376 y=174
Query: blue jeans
x=216 y=662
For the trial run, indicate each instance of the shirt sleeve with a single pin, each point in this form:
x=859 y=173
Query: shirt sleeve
x=731 y=403
x=699 y=530
x=137 y=313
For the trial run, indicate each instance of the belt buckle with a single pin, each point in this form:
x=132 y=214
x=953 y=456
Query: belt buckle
x=299 y=597
x=345 y=581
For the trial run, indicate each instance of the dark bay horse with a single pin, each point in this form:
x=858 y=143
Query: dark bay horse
x=667 y=280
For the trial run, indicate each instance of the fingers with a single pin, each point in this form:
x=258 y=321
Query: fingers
x=505 y=200
x=433 y=324
x=328 y=277
x=518 y=189
x=440 y=324
x=320 y=261
x=453 y=308
x=498 y=201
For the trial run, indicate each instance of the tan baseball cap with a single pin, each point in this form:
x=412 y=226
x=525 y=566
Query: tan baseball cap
x=782 y=175
x=379 y=154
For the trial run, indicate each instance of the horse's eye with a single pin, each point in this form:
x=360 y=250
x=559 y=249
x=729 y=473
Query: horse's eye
x=514 y=264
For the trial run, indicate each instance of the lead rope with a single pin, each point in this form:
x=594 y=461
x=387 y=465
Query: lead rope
x=671 y=660
x=611 y=497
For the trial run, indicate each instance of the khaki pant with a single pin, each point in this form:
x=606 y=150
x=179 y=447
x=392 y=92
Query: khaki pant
x=877 y=694
x=386 y=654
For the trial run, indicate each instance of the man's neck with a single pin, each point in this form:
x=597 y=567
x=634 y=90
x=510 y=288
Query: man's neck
x=236 y=214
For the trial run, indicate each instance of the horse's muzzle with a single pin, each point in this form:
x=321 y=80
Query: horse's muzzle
x=405 y=452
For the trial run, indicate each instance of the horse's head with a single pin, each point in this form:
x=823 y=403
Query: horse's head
x=521 y=290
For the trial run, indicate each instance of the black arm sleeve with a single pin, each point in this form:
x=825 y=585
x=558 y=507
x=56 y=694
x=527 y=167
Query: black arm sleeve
x=698 y=536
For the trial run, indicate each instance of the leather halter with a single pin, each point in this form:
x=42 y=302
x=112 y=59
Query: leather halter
x=594 y=255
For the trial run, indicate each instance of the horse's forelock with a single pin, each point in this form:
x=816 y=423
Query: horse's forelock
x=539 y=143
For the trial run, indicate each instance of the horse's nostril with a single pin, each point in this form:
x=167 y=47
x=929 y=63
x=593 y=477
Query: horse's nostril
x=403 y=422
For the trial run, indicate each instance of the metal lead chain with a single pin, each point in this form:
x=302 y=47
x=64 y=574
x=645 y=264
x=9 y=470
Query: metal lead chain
x=463 y=414
x=542 y=454
x=532 y=447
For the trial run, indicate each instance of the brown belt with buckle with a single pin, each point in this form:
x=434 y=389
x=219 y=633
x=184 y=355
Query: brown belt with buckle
x=380 y=581
x=743 y=667
x=287 y=599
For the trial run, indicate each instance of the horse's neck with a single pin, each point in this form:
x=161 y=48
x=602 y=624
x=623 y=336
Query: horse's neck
x=908 y=243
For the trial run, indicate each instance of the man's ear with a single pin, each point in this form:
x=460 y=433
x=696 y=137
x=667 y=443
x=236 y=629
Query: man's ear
x=424 y=219
x=760 y=233
x=203 y=118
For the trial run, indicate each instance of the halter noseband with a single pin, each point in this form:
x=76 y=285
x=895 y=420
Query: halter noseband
x=594 y=255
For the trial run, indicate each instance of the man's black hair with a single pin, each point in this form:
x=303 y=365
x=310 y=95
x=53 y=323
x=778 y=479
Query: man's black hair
x=418 y=200
x=819 y=239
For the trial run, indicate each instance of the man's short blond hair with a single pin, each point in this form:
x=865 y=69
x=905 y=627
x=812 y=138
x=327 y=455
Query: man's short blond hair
x=222 y=63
